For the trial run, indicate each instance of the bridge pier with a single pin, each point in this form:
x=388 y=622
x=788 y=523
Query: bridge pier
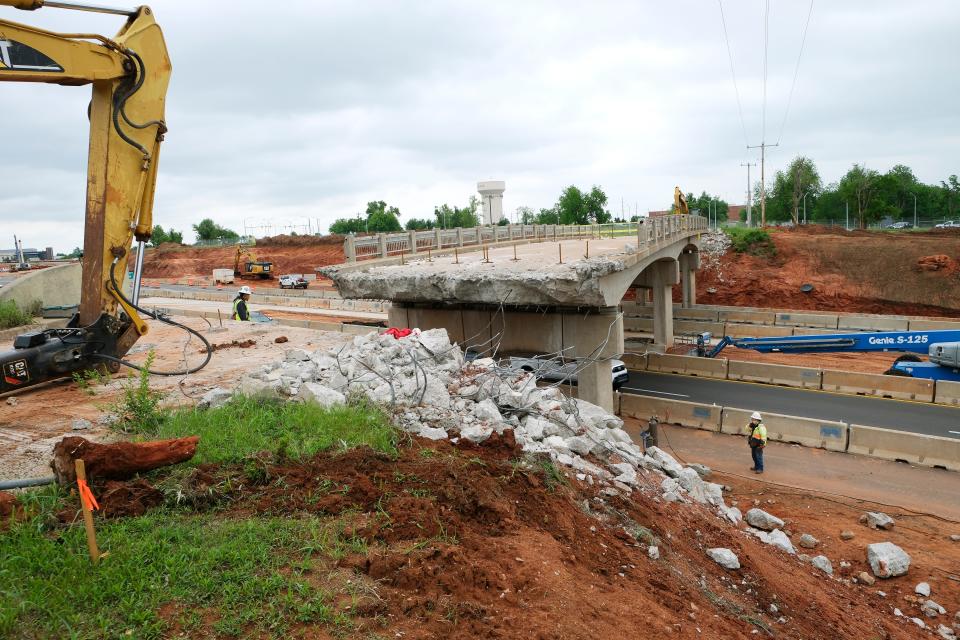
x=689 y=263
x=596 y=334
x=660 y=277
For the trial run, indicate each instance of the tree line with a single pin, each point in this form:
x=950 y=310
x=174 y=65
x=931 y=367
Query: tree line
x=868 y=195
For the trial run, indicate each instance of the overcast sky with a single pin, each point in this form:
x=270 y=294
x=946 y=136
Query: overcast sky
x=309 y=110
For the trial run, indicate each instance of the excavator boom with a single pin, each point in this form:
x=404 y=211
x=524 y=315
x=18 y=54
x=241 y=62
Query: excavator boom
x=129 y=74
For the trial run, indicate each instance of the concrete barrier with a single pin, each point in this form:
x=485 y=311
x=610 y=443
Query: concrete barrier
x=815 y=320
x=53 y=287
x=635 y=361
x=947 y=392
x=641 y=325
x=747 y=317
x=687 y=414
x=934 y=325
x=694 y=313
x=811 y=331
x=872 y=323
x=873 y=384
x=820 y=434
x=698 y=326
x=929 y=451
x=736 y=330
x=782 y=374
x=687 y=365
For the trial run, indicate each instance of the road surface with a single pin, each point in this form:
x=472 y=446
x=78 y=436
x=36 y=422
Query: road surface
x=917 y=417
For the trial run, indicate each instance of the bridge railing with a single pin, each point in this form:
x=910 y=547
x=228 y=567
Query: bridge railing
x=384 y=245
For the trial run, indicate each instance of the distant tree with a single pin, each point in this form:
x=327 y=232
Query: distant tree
x=502 y=222
x=345 y=226
x=548 y=216
x=951 y=192
x=859 y=186
x=379 y=218
x=448 y=217
x=160 y=236
x=706 y=204
x=419 y=224
x=526 y=215
x=577 y=207
x=207 y=229
x=76 y=253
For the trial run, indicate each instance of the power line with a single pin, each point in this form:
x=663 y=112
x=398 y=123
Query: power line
x=733 y=74
x=796 y=71
x=766 y=43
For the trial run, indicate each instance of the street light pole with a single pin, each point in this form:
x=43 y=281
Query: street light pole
x=914 y=210
x=805 y=207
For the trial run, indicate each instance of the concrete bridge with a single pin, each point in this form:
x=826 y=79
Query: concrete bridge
x=539 y=294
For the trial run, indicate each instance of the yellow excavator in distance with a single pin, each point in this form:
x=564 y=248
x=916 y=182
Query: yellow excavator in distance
x=251 y=268
x=129 y=74
x=680 y=202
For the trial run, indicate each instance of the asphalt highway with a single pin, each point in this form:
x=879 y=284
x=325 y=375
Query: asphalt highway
x=917 y=417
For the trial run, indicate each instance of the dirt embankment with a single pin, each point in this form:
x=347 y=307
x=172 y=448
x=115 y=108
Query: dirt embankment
x=465 y=542
x=289 y=254
x=856 y=271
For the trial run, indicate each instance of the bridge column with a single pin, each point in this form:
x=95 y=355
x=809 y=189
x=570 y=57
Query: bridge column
x=660 y=277
x=689 y=263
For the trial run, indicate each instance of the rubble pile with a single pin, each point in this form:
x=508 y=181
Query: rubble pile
x=434 y=393
x=713 y=246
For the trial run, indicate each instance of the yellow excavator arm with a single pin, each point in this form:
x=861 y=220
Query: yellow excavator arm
x=680 y=201
x=129 y=74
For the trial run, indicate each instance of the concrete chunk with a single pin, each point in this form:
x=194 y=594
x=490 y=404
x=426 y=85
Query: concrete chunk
x=823 y=563
x=724 y=557
x=666 y=462
x=762 y=520
x=319 y=394
x=887 y=560
x=879 y=520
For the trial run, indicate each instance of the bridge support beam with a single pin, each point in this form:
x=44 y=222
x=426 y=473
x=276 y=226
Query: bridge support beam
x=689 y=263
x=597 y=334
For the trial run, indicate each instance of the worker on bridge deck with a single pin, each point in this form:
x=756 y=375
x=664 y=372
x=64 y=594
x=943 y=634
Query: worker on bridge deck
x=240 y=310
x=757 y=439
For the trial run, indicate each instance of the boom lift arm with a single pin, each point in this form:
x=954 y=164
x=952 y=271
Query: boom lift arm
x=129 y=74
x=942 y=347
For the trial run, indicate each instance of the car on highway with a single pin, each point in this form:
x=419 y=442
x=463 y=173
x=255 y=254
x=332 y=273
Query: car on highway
x=561 y=369
x=293 y=282
x=903 y=224
x=949 y=224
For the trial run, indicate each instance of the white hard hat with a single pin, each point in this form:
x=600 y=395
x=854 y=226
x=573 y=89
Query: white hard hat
x=756 y=416
x=245 y=289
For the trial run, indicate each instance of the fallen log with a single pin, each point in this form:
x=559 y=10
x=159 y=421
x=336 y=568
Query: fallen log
x=117 y=460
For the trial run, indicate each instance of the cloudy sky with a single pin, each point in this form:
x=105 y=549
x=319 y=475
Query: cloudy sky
x=280 y=115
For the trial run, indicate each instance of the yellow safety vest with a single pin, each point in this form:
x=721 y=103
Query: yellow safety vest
x=759 y=432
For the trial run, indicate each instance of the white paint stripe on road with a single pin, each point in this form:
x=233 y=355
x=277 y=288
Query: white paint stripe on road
x=678 y=395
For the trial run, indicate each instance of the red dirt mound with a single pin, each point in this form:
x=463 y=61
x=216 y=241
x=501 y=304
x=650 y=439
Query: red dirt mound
x=289 y=254
x=469 y=542
x=942 y=263
x=852 y=271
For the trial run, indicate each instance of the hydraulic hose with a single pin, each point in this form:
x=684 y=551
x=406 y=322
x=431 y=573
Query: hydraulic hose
x=127 y=363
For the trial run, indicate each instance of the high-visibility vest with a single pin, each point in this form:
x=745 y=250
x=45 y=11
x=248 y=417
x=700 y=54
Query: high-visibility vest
x=236 y=310
x=759 y=432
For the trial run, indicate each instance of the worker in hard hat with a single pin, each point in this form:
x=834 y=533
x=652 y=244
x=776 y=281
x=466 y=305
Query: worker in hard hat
x=240 y=310
x=757 y=439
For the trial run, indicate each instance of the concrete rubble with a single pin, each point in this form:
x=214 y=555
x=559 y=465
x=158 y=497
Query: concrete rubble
x=887 y=560
x=807 y=541
x=433 y=392
x=923 y=589
x=724 y=557
x=877 y=520
x=762 y=520
x=823 y=563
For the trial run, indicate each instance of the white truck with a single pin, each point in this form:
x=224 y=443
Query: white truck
x=223 y=276
x=562 y=369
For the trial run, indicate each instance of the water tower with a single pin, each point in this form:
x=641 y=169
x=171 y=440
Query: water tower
x=491 y=193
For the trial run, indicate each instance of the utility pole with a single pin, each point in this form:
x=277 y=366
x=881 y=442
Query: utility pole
x=749 y=192
x=914 y=210
x=846 y=204
x=763 y=179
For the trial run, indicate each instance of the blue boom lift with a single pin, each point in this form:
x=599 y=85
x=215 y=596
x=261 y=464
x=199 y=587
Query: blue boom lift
x=941 y=347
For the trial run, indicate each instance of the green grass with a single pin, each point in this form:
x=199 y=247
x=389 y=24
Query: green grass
x=13 y=316
x=247 y=425
x=240 y=577
x=756 y=242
